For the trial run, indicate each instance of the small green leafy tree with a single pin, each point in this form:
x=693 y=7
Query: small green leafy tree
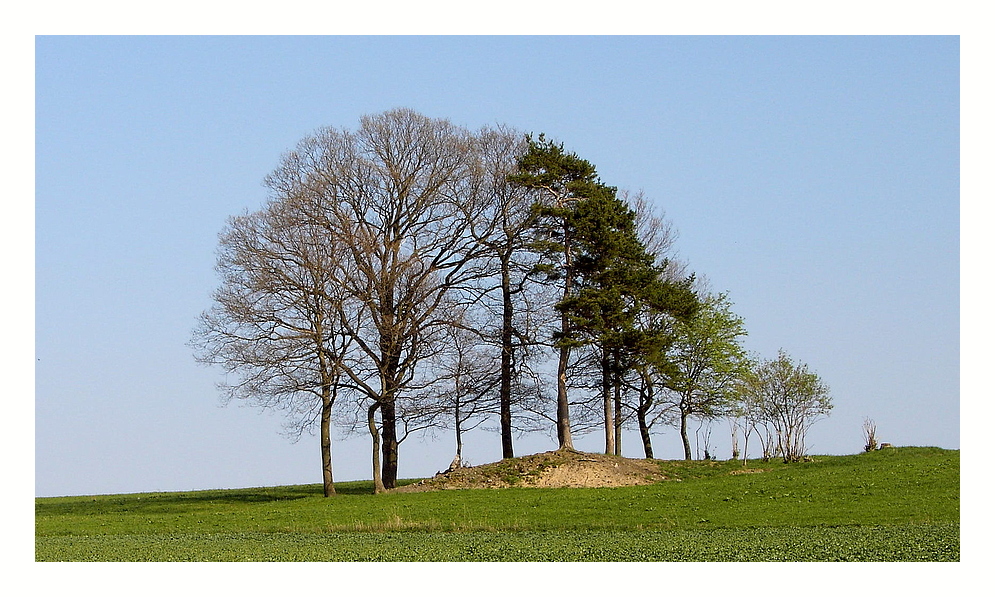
x=705 y=363
x=787 y=397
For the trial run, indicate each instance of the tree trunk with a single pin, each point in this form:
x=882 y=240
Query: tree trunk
x=329 y=389
x=684 y=435
x=458 y=460
x=378 y=486
x=562 y=405
x=326 y=447
x=507 y=450
x=644 y=433
x=390 y=358
x=746 y=443
x=607 y=400
x=388 y=420
x=645 y=403
x=618 y=403
x=734 y=440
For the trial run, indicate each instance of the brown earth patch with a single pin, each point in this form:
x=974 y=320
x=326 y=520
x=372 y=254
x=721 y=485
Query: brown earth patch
x=560 y=468
x=747 y=471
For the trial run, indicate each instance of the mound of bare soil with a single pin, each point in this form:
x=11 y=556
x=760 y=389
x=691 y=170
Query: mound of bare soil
x=561 y=468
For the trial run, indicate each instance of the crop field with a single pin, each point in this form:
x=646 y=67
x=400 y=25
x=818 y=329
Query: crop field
x=900 y=504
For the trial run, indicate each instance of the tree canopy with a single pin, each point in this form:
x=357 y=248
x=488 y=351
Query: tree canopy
x=413 y=274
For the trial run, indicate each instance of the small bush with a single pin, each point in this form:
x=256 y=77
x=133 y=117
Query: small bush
x=870 y=435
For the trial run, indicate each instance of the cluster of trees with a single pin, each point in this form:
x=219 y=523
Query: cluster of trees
x=414 y=274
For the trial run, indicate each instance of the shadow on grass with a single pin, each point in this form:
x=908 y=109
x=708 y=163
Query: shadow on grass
x=178 y=502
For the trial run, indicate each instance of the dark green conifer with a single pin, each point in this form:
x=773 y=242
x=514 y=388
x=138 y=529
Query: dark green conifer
x=617 y=280
x=590 y=245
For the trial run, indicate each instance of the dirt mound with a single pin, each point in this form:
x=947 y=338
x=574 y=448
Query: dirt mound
x=561 y=468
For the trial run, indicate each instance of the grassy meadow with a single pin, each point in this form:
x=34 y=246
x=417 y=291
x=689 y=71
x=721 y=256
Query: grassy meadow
x=897 y=504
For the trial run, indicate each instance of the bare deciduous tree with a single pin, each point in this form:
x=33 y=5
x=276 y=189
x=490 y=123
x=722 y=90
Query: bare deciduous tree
x=870 y=435
x=468 y=377
x=503 y=230
x=398 y=194
x=273 y=323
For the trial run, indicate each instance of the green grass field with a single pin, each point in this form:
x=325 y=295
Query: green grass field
x=900 y=504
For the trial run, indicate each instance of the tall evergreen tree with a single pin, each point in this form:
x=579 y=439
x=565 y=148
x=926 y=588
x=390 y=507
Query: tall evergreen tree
x=618 y=280
x=561 y=179
x=591 y=247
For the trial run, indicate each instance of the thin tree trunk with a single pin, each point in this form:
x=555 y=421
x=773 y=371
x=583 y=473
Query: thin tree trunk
x=684 y=435
x=562 y=404
x=507 y=449
x=644 y=433
x=458 y=460
x=329 y=388
x=326 y=447
x=378 y=486
x=746 y=444
x=734 y=439
x=607 y=400
x=618 y=403
x=645 y=402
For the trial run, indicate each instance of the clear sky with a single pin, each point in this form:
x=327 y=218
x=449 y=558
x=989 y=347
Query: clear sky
x=816 y=179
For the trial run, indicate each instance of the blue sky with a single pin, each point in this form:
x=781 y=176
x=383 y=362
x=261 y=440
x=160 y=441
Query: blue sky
x=816 y=179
